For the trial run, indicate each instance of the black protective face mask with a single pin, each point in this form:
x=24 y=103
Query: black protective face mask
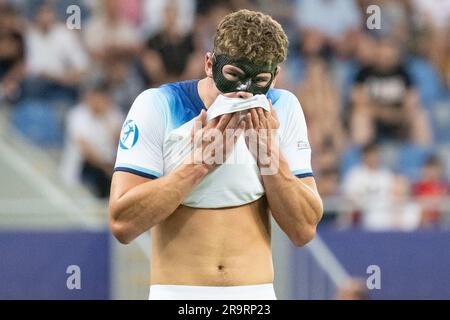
x=246 y=82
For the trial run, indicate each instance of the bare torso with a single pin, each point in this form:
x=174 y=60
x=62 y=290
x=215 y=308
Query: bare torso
x=213 y=247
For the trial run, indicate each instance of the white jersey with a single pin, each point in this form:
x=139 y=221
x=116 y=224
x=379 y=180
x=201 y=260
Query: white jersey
x=161 y=119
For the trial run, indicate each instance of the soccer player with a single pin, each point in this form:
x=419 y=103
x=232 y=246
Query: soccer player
x=210 y=222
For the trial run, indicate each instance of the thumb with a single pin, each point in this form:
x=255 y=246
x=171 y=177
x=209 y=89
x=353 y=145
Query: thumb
x=203 y=117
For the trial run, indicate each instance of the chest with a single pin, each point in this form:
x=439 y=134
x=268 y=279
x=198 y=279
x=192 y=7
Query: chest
x=235 y=182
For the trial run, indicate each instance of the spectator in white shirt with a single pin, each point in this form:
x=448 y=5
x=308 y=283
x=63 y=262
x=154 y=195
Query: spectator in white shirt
x=434 y=12
x=93 y=129
x=368 y=186
x=153 y=16
x=55 y=58
x=380 y=196
x=333 y=18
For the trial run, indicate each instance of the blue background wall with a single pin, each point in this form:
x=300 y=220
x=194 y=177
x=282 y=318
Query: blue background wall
x=33 y=264
x=413 y=265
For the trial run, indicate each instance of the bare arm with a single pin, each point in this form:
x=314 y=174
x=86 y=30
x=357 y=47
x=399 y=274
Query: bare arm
x=295 y=203
x=137 y=204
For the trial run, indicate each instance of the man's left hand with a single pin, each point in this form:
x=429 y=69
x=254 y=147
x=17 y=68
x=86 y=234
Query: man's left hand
x=261 y=139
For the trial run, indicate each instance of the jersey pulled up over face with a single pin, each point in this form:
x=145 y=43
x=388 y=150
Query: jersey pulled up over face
x=155 y=134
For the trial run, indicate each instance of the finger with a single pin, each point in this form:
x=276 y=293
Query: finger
x=199 y=120
x=248 y=126
x=255 y=118
x=230 y=132
x=207 y=131
x=249 y=120
x=212 y=123
x=234 y=122
x=262 y=117
x=223 y=122
x=232 y=138
x=203 y=117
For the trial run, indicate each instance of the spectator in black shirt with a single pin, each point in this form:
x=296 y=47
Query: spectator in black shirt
x=385 y=105
x=167 y=53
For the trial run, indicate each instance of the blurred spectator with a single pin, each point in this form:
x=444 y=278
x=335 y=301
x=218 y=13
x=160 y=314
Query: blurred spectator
x=430 y=190
x=11 y=66
x=10 y=19
x=125 y=83
x=385 y=105
x=361 y=52
x=167 y=53
x=280 y=10
x=11 y=55
x=444 y=65
x=55 y=59
x=403 y=213
x=203 y=35
x=435 y=12
x=153 y=16
x=320 y=101
x=381 y=197
x=434 y=18
x=206 y=23
x=366 y=50
x=396 y=18
x=321 y=105
x=327 y=25
x=440 y=55
x=93 y=129
x=132 y=11
x=109 y=36
x=312 y=45
x=353 y=289
x=333 y=18
x=368 y=186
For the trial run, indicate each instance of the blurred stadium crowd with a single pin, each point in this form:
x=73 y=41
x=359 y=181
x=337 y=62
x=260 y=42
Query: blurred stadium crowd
x=377 y=102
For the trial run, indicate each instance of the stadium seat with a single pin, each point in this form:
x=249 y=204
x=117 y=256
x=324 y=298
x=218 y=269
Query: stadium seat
x=440 y=121
x=410 y=160
x=38 y=122
x=349 y=159
x=427 y=81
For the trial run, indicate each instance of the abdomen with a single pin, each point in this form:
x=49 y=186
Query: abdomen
x=217 y=247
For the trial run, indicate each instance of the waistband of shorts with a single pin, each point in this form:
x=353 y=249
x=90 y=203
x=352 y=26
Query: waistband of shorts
x=210 y=292
x=212 y=289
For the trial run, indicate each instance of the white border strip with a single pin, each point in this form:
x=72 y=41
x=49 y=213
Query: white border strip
x=328 y=261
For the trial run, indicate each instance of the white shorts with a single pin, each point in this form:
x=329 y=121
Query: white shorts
x=181 y=292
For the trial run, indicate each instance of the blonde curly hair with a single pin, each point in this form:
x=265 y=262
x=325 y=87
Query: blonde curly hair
x=252 y=35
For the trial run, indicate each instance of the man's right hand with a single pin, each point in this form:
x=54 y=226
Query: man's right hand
x=213 y=141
